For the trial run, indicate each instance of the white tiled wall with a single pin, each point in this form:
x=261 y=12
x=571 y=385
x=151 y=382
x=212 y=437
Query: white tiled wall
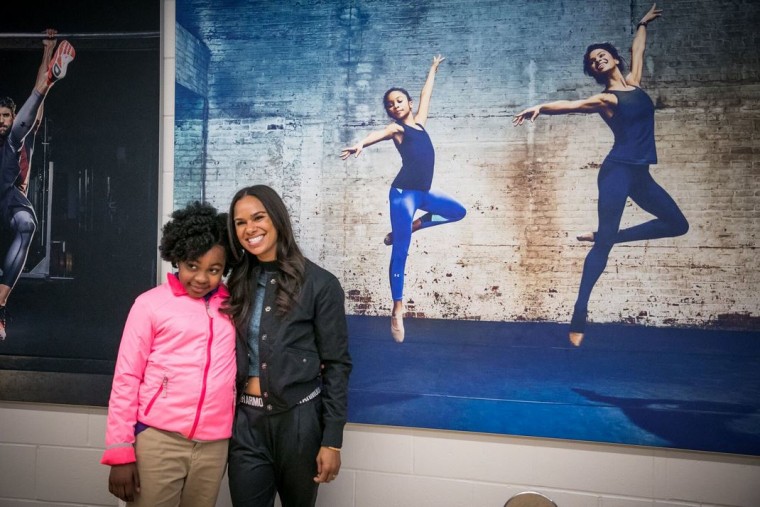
x=49 y=456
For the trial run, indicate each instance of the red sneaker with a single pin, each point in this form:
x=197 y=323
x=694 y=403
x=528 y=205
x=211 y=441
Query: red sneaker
x=2 y=323
x=62 y=57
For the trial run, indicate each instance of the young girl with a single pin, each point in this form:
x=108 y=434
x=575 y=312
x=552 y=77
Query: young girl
x=293 y=361
x=173 y=395
x=629 y=112
x=410 y=191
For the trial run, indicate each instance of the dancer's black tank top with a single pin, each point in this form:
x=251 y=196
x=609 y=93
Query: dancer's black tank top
x=633 y=127
x=417 y=159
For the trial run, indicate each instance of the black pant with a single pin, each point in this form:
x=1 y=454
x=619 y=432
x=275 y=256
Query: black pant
x=276 y=453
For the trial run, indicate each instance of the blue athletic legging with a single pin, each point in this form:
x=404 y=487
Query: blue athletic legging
x=617 y=181
x=441 y=209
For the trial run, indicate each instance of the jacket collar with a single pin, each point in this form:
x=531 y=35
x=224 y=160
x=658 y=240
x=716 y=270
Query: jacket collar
x=179 y=290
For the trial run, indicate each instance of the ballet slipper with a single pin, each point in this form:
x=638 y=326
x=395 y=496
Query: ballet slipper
x=397 y=327
x=576 y=338
x=587 y=236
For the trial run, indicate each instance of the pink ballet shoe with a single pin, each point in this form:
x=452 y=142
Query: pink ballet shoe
x=397 y=327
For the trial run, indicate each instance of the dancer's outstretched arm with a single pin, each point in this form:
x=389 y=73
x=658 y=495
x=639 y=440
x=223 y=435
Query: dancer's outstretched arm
x=373 y=137
x=427 y=91
x=639 y=45
x=599 y=103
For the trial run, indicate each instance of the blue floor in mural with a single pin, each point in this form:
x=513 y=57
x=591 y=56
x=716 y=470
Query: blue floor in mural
x=695 y=389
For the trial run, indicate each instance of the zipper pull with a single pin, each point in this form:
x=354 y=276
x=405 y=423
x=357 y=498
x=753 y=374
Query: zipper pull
x=165 y=387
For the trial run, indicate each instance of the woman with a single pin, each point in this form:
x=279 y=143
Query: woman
x=629 y=112
x=410 y=190
x=293 y=360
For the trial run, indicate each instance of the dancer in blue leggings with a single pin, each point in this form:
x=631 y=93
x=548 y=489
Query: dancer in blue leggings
x=18 y=220
x=410 y=191
x=629 y=112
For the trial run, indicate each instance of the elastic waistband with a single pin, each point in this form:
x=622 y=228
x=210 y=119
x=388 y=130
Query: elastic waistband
x=258 y=401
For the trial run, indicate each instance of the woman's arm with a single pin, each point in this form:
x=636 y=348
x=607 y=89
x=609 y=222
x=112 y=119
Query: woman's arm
x=427 y=92
x=373 y=137
x=639 y=45
x=331 y=334
x=599 y=103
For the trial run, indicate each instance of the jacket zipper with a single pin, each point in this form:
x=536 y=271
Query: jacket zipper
x=163 y=389
x=206 y=368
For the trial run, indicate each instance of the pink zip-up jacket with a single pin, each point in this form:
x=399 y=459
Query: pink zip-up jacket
x=175 y=370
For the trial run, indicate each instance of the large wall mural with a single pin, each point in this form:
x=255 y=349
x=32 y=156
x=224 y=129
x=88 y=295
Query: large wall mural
x=502 y=330
x=78 y=239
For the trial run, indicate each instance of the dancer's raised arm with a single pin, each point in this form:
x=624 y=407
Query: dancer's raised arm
x=639 y=45
x=427 y=91
x=599 y=103
x=372 y=138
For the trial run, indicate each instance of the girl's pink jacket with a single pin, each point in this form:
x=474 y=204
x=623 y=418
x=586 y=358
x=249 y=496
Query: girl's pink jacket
x=175 y=370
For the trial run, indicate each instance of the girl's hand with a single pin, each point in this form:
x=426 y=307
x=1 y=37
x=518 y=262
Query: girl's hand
x=651 y=15
x=437 y=61
x=124 y=481
x=531 y=114
x=355 y=149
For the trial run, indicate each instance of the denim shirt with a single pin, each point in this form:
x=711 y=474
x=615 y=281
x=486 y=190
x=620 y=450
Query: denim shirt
x=255 y=324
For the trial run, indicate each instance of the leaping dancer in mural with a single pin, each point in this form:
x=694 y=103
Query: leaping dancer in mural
x=410 y=191
x=629 y=112
x=18 y=217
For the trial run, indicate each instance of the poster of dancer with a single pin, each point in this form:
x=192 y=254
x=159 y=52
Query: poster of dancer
x=79 y=126
x=585 y=146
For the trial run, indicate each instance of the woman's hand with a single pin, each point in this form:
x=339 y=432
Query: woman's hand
x=651 y=15
x=437 y=61
x=355 y=149
x=328 y=465
x=530 y=114
x=124 y=482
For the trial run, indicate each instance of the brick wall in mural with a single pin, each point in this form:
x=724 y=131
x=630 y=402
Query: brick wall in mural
x=270 y=93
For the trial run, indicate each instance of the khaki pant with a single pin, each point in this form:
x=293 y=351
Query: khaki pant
x=175 y=471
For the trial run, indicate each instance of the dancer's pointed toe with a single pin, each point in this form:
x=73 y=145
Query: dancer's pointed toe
x=576 y=338
x=397 y=327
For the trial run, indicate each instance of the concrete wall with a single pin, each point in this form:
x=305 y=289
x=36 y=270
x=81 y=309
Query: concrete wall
x=291 y=83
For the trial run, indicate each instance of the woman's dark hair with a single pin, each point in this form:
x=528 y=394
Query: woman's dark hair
x=612 y=50
x=290 y=260
x=193 y=231
x=391 y=90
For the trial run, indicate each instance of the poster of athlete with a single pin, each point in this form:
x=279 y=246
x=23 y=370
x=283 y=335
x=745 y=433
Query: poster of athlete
x=79 y=132
x=591 y=165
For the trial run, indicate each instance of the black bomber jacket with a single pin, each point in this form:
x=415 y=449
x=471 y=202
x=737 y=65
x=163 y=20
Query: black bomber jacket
x=304 y=349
